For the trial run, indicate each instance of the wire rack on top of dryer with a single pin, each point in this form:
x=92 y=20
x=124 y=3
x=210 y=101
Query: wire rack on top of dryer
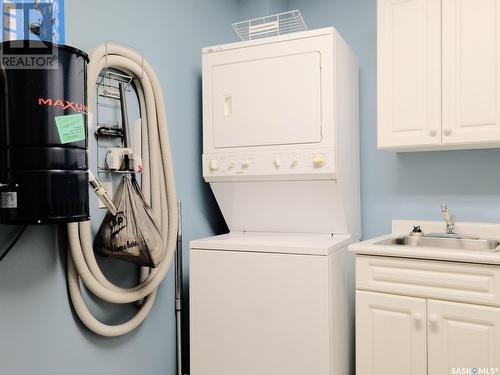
x=276 y=24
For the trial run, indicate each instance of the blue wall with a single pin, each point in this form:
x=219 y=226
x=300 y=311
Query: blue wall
x=404 y=185
x=258 y=8
x=38 y=331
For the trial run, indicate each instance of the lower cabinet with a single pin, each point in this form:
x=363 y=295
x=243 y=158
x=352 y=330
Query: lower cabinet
x=401 y=335
x=463 y=336
x=390 y=334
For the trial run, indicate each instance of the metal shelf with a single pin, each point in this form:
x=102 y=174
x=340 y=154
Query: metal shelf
x=273 y=25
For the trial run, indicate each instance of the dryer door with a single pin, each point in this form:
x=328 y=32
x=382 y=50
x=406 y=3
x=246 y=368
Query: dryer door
x=271 y=94
x=267 y=102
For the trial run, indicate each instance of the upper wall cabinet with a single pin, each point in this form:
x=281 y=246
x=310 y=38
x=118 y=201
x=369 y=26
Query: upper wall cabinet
x=438 y=74
x=409 y=73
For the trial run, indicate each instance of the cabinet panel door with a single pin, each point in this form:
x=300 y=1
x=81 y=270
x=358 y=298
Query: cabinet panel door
x=463 y=336
x=409 y=73
x=471 y=76
x=390 y=334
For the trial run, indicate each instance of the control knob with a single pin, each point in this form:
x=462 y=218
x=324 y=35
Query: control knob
x=213 y=165
x=318 y=160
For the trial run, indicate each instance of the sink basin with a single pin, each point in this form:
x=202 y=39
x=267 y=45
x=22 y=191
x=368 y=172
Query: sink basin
x=446 y=243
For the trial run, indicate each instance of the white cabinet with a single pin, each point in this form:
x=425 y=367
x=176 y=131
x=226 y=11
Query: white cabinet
x=438 y=74
x=471 y=79
x=417 y=332
x=409 y=73
x=462 y=336
x=390 y=334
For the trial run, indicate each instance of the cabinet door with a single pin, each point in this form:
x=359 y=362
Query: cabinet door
x=409 y=73
x=471 y=76
x=390 y=335
x=463 y=336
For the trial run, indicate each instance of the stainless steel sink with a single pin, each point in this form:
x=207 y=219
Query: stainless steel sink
x=446 y=243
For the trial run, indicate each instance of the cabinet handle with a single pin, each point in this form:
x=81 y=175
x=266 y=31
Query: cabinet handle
x=433 y=319
x=447 y=132
x=417 y=316
x=432 y=132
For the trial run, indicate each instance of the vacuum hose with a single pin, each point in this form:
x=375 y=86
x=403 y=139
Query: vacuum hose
x=158 y=186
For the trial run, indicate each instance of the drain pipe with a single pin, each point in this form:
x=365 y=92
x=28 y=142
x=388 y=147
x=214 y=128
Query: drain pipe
x=178 y=293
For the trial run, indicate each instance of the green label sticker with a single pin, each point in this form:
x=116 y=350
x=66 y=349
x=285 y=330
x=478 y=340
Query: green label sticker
x=71 y=128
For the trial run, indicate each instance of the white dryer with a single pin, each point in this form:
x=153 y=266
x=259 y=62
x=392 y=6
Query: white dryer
x=281 y=154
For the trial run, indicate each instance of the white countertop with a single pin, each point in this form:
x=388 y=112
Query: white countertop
x=403 y=227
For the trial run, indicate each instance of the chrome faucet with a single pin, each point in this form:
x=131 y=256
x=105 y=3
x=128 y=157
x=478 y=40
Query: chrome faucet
x=450 y=228
x=450 y=220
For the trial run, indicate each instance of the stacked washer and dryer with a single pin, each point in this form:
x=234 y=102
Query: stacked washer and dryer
x=281 y=154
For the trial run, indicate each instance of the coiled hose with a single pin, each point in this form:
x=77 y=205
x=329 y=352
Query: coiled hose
x=158 y=185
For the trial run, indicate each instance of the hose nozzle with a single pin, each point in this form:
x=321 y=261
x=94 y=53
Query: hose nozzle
x=102 y=194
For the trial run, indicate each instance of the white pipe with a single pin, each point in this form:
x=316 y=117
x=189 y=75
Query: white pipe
x=159 y=190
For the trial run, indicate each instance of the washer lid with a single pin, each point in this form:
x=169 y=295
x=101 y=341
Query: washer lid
x=287 y=243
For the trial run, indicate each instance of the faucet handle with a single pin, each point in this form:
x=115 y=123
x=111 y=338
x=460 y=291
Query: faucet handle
x=417 y=229
x=446 y=214
x=450 y=220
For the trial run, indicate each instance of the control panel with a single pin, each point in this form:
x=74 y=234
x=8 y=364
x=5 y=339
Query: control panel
x=269 y=165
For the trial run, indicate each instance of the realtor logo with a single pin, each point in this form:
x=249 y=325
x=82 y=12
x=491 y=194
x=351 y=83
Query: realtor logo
x=28 y=54
x=29 y=29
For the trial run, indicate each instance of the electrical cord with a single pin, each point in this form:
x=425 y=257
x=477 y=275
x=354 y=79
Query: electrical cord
x=13 y=243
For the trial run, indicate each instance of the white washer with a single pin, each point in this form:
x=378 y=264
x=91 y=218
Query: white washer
x=281 y=154
x=271 y=304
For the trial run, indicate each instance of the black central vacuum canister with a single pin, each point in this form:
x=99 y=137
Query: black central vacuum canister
x=43 y=133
